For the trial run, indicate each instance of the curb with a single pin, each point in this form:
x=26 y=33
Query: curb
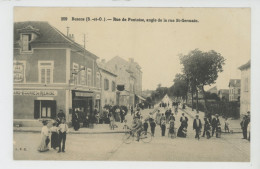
x=74 y=132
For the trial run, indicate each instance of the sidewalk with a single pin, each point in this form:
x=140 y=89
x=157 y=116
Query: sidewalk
x=98 y=129
x=234 y=125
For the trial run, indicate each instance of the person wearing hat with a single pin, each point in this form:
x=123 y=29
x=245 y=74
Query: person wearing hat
x=197 y=126
x=244 y=125
x=207 y=127
x=60 y=116
x=215 y=124
x=137 y=127
x=44 y=137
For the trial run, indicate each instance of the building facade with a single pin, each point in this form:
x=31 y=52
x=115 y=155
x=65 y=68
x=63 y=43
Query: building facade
x=129 y=75
x=51 y=73
x=245 y=87
x=108 y=84
x=234 y=89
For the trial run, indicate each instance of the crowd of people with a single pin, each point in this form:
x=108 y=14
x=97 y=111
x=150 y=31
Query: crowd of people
x=56 y=134
x=211 y=125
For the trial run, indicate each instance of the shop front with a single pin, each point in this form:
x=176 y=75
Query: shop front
x=82 y=103
x=30 y=105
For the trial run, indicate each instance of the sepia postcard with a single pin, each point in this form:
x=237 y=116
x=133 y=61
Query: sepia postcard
x=132 y=84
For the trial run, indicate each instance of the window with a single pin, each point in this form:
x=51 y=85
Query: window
x=45 y=72
x=98 y=80
x=26 y=38
x=106 y=84
x=113 y=86
x=89 y=77
x=82 y=75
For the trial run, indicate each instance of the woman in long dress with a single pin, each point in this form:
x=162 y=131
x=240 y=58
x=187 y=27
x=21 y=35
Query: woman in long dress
x=54 y=136
x=182 y=131
x=158 y=117
x=44 y=138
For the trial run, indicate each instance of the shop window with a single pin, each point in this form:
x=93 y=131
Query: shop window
x=44 y=109
x=45 y=72
x=106 y=84
x=25 y=39
x=89 y=77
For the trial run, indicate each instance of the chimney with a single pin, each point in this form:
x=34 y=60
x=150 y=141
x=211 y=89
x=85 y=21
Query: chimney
x=71 y=36
x=131 y=60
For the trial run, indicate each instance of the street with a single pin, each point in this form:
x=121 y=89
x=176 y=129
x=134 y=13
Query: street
x=230 y=147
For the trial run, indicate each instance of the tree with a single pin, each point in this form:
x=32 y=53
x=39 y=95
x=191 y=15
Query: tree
x=202 y=68
x=180 y=86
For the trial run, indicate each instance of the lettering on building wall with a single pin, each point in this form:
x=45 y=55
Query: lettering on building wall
x=18 y=71
x=35 y=92
x=81 y=94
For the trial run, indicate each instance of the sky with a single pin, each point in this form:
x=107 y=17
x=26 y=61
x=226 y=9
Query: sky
x=156 y=46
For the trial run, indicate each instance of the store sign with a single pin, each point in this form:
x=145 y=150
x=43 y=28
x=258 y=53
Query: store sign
x=81 y=94
x=35 y=92
x=19 y=69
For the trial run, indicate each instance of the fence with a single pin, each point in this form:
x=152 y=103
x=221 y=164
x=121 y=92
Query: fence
x=225 y=109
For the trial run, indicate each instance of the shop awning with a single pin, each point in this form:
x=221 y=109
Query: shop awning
x=140 y=97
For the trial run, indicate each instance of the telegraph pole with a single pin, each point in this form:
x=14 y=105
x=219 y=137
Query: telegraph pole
x=84 y=40
x=68 y=28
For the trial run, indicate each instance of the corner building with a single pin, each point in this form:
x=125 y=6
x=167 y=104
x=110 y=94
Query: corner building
x=51 y=72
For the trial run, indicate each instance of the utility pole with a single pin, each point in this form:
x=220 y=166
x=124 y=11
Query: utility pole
x=84 y=40
x=68 y=28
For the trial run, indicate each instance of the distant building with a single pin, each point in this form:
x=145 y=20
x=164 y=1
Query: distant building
x=51 y=73
x=213 y=90
x=129 y=75
x=223 y=94
x=108 y=84
x=234 y=89
x=245 y=88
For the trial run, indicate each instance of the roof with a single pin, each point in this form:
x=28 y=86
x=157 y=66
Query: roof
x=46 y=34
x=245 y=66
x=223 y=91
x=213 y=89
x=234 y=83
x=105 y=68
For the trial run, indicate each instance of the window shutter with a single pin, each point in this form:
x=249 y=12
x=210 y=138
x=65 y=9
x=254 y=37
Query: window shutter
x=36 y=109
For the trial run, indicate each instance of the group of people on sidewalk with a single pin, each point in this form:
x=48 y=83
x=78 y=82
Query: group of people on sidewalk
x=57 y=132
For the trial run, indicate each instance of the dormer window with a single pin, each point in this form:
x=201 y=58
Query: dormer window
x=26 y=38
x=27 y=35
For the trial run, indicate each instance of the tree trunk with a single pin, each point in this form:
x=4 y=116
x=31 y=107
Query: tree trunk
x=197 y=101
x=192 y=101
x=205 y=100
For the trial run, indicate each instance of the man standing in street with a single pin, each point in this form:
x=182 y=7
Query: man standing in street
x=215 y=124
x=244 y=125
x=197 y=126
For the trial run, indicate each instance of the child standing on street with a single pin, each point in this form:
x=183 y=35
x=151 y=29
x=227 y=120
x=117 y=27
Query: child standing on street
x=63 y=129
x=226 y=125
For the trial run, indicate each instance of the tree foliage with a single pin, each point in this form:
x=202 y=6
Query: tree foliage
x=202 y=68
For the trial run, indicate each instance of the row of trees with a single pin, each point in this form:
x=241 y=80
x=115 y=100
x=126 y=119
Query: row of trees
x=199 y=70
